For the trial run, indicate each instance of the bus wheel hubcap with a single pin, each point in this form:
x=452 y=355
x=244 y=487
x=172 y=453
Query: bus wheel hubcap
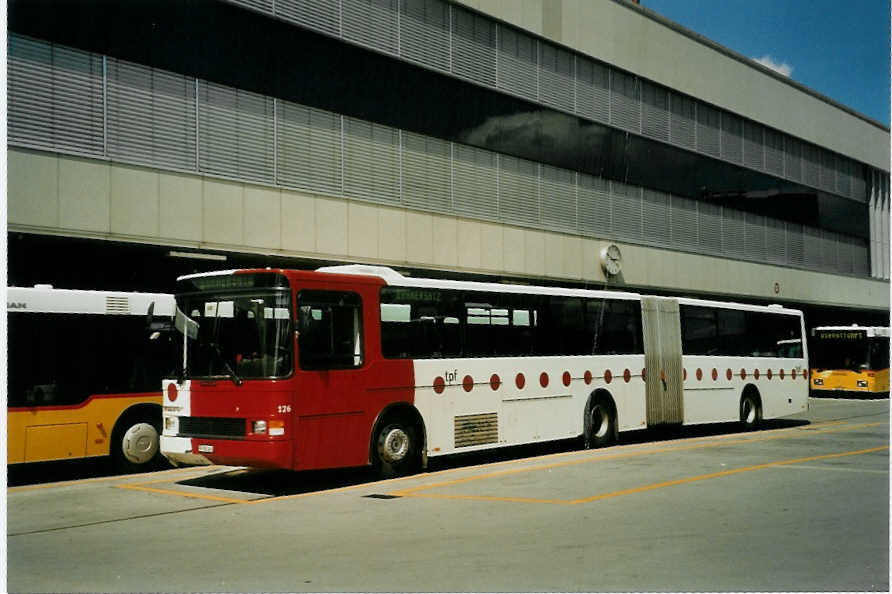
x=394 y=445
x=600 y=421
x=749 y=411
x=140 y=443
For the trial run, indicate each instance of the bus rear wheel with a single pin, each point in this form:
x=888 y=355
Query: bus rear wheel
x=750 y=412
x=600 y=424
x=396 y=449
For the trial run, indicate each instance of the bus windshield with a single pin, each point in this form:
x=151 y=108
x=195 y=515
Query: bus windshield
x=841 y=353
x=241 y=335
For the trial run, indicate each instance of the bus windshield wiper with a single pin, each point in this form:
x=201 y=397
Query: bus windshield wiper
x=232 y=375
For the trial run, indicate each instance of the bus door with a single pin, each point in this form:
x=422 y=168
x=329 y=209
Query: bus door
x=662 y=360
x=330 y=416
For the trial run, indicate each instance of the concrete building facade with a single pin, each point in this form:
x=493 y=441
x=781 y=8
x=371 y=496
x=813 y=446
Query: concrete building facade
x=511 y=139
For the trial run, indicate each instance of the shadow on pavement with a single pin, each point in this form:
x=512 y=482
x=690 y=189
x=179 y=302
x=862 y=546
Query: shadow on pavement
x=275 y=483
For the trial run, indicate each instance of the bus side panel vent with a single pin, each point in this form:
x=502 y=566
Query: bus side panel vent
x=117 y=305
x=471 y=430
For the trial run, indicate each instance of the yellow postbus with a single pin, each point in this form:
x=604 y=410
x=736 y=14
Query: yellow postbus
x=84 y=375
x=850 y=361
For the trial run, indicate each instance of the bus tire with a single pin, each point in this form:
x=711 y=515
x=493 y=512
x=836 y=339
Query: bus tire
x=750 y=409
x=396 y=448
x=135 y=441
x=600 y=422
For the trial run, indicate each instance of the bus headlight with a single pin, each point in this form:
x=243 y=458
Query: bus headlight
x=862 y=383
x=172 y=424
x=270 y=427
x=819 y=381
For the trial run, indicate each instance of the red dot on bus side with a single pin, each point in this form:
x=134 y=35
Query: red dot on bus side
x=756 y=373
x=567 y=379
x=520 y=381
x=588 y=377
x=439 y=385
x=627 y=376
x=684 y=374
x=743 y=374
x=643 y=374
x=715 y=374
x=608 y=377
x=495 y=381
x=768 y=374
x=543 y=379
x=467 y=383
x=793 y=374
x=781 y=372
x=172 y=392
x=699 y=374
x=729 y=374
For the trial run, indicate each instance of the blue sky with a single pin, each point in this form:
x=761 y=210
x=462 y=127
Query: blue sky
x=838 y=48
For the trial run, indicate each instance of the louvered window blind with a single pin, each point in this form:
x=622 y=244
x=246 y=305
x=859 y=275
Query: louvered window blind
x=475 y=178
x=518 y=191
x=517 y=63
x=372 y=23
x=595 y=206
x=322 y=15
x=371 y=161
x=309 y=148
x=424 y=32
x=558 y=199
x=655 y=112
x=151 y=116
x=683 y=121
x=427 y=173
x=625 y=101
x=55 y=97
x=556 y=77
x=473 y=47
x=235 y=133
x=592 y=90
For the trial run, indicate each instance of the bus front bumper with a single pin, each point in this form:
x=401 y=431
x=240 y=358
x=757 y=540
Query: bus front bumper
x=202 y=451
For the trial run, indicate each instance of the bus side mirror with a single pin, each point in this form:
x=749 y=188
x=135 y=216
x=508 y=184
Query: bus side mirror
x=150 y=315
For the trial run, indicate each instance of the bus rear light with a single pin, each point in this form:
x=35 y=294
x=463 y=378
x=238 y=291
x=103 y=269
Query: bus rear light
x=172 y=424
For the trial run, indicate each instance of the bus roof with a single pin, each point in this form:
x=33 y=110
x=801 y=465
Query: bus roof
x=870 y=331
x=75 y=301
x=394 y=278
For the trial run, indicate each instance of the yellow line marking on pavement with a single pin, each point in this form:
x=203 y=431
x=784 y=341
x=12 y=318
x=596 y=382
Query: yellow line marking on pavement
x=604 y=457
x=831 y=468
x=140 y=487
x=704 y=477
x=99 y=479
x=644 y=488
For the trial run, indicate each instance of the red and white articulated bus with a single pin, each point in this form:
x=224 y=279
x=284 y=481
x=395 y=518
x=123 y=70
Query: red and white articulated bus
x=356 y=365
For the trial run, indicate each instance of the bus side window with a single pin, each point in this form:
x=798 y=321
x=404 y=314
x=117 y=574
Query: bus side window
x=329 y=330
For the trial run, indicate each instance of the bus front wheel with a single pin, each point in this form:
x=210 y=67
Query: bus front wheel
x=396 y=450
